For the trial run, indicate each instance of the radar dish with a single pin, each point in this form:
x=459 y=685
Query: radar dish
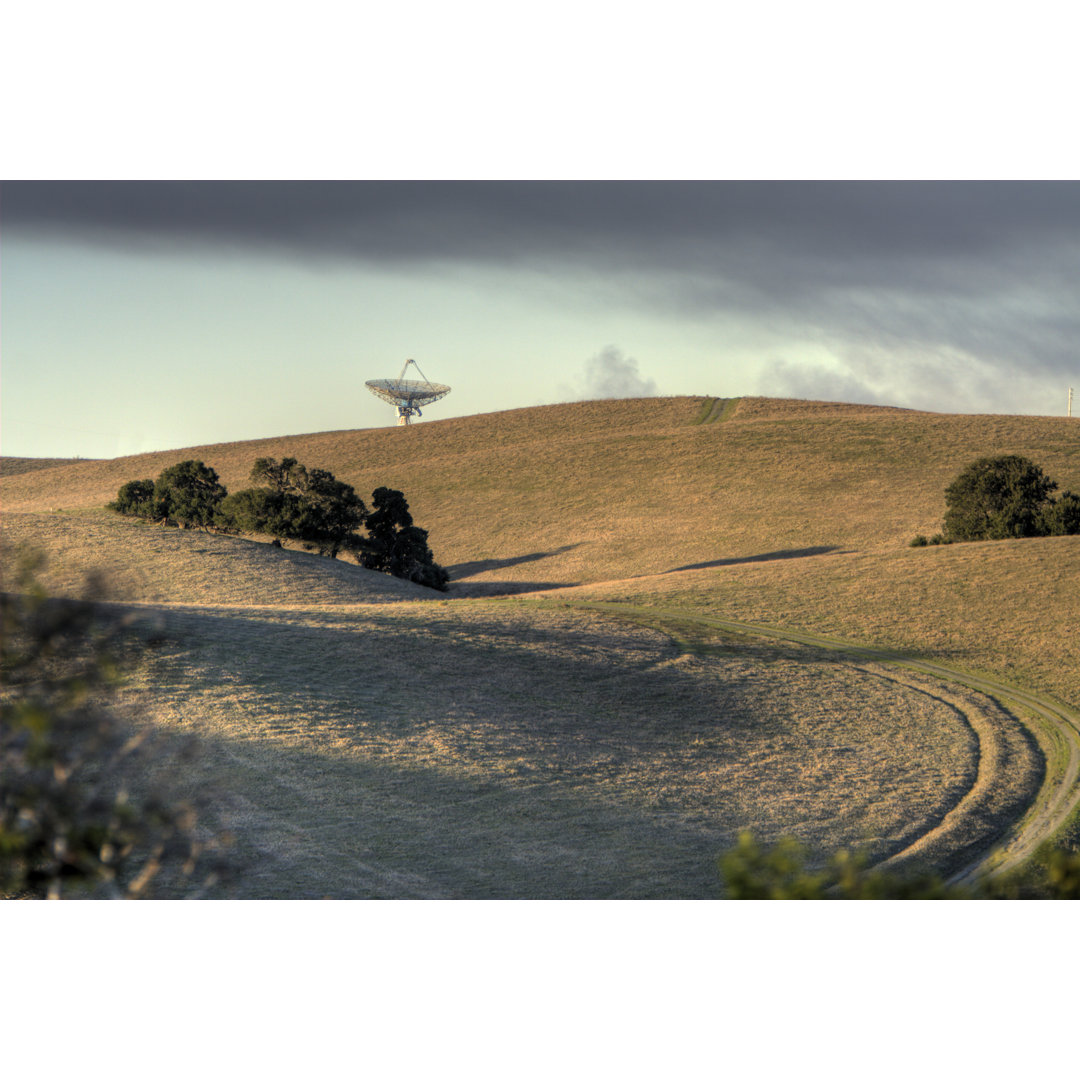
x=408 y=394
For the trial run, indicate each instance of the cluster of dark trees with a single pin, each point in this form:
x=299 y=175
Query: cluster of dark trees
x=291 y=502
x=998 y=498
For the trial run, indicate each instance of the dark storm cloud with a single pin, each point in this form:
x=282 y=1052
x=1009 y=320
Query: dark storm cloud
x=669 y=223
x=983 y=269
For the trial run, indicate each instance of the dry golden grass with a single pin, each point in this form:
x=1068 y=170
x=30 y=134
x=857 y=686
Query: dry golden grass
x=1009 y=607
x=487 y=749
x=143 y=562
x=12 y=466
x=367 y=744
x=594 y=491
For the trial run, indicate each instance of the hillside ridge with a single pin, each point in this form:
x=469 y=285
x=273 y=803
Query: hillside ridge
x=534 y=422
x=612 y=489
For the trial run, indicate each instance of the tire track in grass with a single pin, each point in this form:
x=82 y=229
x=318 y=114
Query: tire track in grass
x=1055 y=727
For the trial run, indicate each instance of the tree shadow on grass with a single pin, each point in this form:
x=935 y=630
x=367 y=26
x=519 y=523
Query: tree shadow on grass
x=480 y=566
x=769 y=556
x=504 y=588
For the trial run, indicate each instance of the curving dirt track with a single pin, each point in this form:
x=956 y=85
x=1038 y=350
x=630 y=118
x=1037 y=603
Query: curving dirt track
x=1054 y=726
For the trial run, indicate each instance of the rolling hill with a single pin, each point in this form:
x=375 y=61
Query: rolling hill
x=612 y=489
x=794 y=512
x=507 y=701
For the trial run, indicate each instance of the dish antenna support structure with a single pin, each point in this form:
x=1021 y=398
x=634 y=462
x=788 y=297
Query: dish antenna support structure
x=408 y=394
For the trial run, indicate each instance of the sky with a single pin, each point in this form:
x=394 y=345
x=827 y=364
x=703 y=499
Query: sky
x=600 y=201
x=144 y=315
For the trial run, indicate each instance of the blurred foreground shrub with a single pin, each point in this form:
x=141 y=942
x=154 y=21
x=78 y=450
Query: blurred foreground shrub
x=79 y=812
x=752 y=872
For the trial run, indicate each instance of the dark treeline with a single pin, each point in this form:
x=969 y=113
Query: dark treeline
x=291 y=502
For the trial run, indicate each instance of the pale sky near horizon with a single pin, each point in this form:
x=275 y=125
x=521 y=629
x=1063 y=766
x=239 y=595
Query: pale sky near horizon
x=145 y=316
x=158 y=315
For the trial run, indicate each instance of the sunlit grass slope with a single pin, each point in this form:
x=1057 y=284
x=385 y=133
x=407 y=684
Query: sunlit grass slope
x=1010 y=607
x=591 y=491
x=12 y=466
x=139 y=561
x=793 y=512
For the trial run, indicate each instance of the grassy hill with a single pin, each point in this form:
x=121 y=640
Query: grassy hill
x=518 y=726
x=12 y=466
x=789 y=511
x=610 y=489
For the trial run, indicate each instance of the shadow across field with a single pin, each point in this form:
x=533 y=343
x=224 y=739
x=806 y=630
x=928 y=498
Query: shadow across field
x=481 y=566
x=366 y=752
x=769 y=556
x=473 y=589
x=418 y=832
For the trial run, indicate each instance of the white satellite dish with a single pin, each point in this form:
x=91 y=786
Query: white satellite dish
x=408 y=394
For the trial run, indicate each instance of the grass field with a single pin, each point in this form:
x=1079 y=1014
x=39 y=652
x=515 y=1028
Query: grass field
x=363 y=736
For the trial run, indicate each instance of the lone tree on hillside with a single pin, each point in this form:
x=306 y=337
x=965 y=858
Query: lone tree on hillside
x=998 y=498
x=396 y=546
